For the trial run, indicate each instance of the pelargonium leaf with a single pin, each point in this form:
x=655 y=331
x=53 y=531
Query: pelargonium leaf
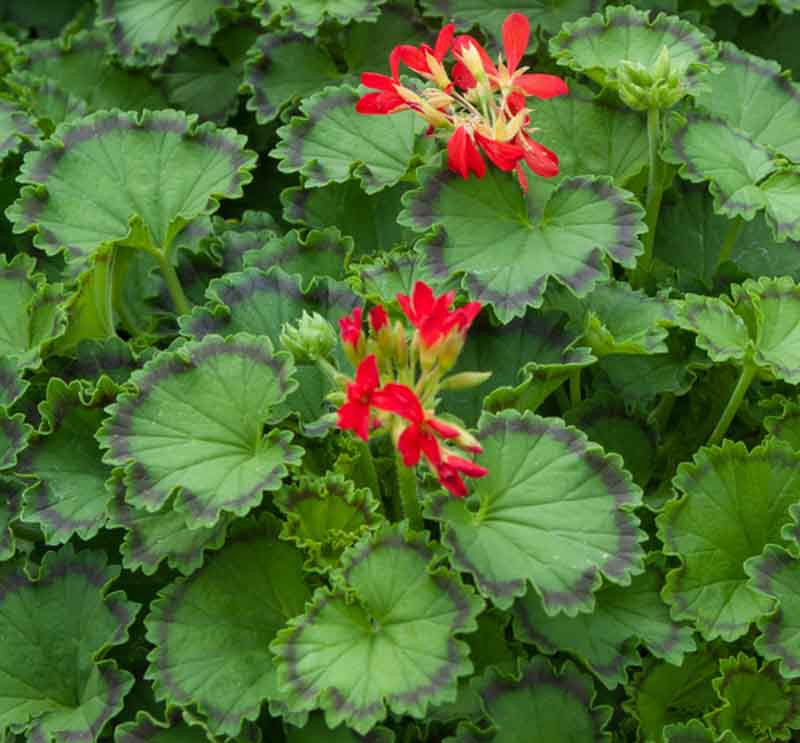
x=786 y=426
x=756 y=703
x=79 y=66
x=664 y=693
x=733 y=504
x=68 y=494
x=370 y=219
x=147 y=729
x=15 y=128
x=331 y=142
x=146 y=32
x=554 y=511
x=46 y=100
x=316 y=730
x=194 y=427
x=151 y=538
x=752 y=94
x=562 y=234
x=490 y=14
x=54 y=630
x=774 y=573
x=12 y=385
x=212 y=630
x=693 y=731
x=306 y=16
x=319 y=253
x=641 y=378
x=14 y=435
x=30 y=312
x=744 y=176
x=598 y=44
x=282 y=67
x=539 y=705
x=10 y=502
x=325 y=515
x=149 y=175
x=607 y=639
x=48 y=18
x=613 y=141
x=389 y=274
x=367 y=45
x=721 y=333
x=374 y=643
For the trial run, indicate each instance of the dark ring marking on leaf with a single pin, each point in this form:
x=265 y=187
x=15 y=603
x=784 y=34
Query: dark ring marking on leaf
x=258 y=71
x=533 y=677
x=10 y=383
x=38 y=51
x=729 y=54
x=14 y=430
x=37 y=494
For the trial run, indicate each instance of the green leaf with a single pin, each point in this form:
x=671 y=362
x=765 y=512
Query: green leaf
x=607 y=639
x=79 y=66
x=490 y=14
x=15 y=129
x=10 y=502
x=752 y=94
x=367 y=44
x=30 y=312
x=212 y=630
x=691 y=732
x=331 y=142
x=194 y=427
x=598 y=44
x=162 y=535
x=734 y=503
x=721 y=333
x=756 y=704
x=148 y=176
x=390 y=274
x=744 y=176
x=54 y=630
x=12 y=385
x=565 y=234
x=612 y=141
x=14 y=435
x=147 y=729
x=68 y=495
x=664 y=693
x=641 y=378
x=554 y=511
x=282 y=68
x=376 y=642
x=315 y=730
x=146 y=32
x=371 y=220
x=538 y=705
x=306 y=15
x=46 y=100
x=786 y=426
x=325 y=515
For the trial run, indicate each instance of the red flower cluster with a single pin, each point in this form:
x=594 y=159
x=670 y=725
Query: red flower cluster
x=482 y=107
x=418 y=434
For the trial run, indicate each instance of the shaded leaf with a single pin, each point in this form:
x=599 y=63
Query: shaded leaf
x=306 y=15
x=15 y=129
x=10 y=502
x=147 y=729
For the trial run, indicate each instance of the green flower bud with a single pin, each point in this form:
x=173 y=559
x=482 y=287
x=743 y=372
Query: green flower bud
x=308 y=339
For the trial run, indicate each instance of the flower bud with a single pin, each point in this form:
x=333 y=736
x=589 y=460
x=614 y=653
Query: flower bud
x=310 y=338
x=471 y=58
x=464 y=380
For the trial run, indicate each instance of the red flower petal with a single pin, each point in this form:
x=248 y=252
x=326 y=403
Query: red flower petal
x=516 y=34
x=541 y=86
x=463 y=156
x=378 y=317
x=515 y=101
x=410 y=56
x=466 y=314
x=465 y=40
x=377 y=81
x=354 y=416
x=444 y=41
x=401 y=400
x=504 y=155
x=540 y=160
x=522 y=178
x=445 y=430
x=350 y=327
x=462 y=77
x=367 y=374
x=449 y=473
x=380 y=103
x=409 y=445
x=466 y=466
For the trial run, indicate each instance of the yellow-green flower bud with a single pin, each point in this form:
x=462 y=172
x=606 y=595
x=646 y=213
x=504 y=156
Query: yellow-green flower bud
x=310 y=338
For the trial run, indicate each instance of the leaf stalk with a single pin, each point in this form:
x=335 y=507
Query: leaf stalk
x=735 y=400
x=407 y=487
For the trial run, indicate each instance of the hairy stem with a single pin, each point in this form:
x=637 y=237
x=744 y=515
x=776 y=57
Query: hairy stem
x=174 y=287
x=575 y=388
x=655 y=190
x=407 y=487
x=735 y=400
x=368 y=468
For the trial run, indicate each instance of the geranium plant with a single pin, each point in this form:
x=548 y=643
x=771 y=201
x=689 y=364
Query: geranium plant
x=402 y=372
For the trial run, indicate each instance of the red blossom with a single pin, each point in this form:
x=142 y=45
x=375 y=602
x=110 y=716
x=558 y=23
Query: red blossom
x=416 y=58
x=378 y=318
x=463 y=156
x=386 y=101
x=432 y=316
x=450 y=469
x=350 y=328
x=354 y=414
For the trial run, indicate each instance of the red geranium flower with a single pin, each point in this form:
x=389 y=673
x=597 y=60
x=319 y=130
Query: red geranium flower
x=432 y=316
x=464 y=157
x=350 y=327
x=386 y=101
x=450 y=469
x=420 y=437
x=354 y=415
x=378 y=318
x=417 y=58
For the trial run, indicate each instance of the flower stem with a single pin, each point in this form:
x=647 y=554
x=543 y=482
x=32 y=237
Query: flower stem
x=742 y=385
x=368 y=468
x=655 y=190
x=173 y=283
x=575 y=388
x=407 y=487
x=731 y=236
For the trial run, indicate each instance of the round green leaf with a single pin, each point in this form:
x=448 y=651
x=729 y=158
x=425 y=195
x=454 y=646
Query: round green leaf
x=720 y=331
x=12 y=385
x=54 y=629
x=786 y=426
x=15 y=128
x=10 y=502
x=306 y=15
x=367 y=44
x=146 y=32
x=315 y=730
x=607 y=639
x=564 y=233
x=734 y=503
x=554 y=511
x=376 y=642
x=212 y=630
x=691 y=732
x=194 y=427
x=147 y=176
x=147 y=729
x=14 y=434
x=744 y=176
x=283 y=67
x=68 y=495
x=598 y=44
x=331 y=142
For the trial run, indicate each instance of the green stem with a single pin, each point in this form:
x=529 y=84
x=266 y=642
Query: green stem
x=575 y=388
x=731 y=236
x=562 y=399
x=173 y=283
x=660 y=415
x=407 y=487
x=655 y=190
x=742 y=385
x=368 y=464
x=103 y=285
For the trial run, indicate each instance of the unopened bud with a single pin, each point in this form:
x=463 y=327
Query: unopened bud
x=310 y=338
x=471 y=58
x=661 y=68
x=464 y=380
x=438 y=73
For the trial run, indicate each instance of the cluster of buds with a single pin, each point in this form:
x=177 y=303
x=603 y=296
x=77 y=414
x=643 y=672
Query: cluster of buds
x=657 y=87
x=479 y=106
x=397 y=382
